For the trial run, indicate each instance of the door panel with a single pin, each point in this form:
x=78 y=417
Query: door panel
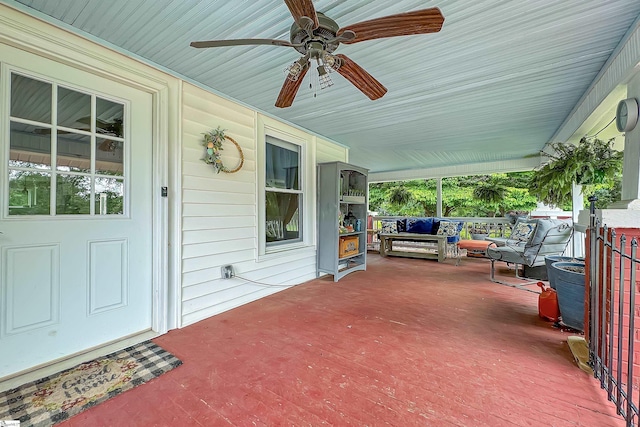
x=76 y=211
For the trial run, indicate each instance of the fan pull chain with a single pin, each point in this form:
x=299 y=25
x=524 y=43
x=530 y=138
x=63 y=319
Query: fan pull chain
x=312 y=86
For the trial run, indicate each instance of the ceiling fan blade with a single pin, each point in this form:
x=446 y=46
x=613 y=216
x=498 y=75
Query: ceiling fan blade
x=240 y=42
x=360 y=78
x=403 y=24
x=290 y=89
x=300 y=8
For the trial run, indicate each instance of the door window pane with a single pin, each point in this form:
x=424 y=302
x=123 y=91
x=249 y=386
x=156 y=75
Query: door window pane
x=29 y=148
x=109 y=118
x=109 y=196
x=74 y=109
x=30 y=99
x=29 y=193
x=109 y=157
x=73 y=194
x=74 y=152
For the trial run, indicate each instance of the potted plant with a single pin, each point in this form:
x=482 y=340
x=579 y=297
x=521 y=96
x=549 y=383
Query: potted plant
x=570 y=285
x=589 y=162
x=550 y=259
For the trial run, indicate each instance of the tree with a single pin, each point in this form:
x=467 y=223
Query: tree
x=458 y=196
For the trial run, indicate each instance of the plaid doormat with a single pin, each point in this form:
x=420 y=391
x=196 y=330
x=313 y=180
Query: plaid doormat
x=53 y=399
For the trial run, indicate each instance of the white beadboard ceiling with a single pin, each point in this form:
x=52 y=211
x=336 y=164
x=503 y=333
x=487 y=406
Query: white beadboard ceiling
x=494 y=85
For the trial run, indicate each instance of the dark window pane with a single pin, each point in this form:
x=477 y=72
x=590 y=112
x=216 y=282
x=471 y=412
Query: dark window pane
x=73 y=195
x=110 y=118
x=109 y=157
x=29 y=193
x=30 y=99
x=30 y=147
x=283 y=216
x=74 y=109
x=109 y=196
x=282 y=167
x=74 y=153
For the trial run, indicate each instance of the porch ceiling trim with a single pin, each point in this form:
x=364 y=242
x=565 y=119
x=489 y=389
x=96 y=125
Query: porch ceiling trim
x=604 y=93
x=458 y=170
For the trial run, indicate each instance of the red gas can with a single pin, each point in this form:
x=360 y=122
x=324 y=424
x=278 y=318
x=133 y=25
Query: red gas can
x=548 y=304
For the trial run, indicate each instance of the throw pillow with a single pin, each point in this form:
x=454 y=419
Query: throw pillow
x=448 y=228
x=436 y=225
x=523 y=230
x=402 y=225
x=419 y=225
x=390 y=227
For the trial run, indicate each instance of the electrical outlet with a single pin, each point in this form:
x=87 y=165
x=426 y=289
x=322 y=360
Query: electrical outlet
x=227 y=271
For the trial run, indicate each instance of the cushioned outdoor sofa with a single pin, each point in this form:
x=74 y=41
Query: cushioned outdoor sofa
x=422 y=237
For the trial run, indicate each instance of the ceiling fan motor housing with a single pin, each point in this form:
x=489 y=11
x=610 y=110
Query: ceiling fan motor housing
x=326 y=31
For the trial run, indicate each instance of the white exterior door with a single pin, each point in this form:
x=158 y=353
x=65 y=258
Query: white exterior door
x=76 y=210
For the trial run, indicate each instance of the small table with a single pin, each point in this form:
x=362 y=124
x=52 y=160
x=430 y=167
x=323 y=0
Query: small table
x=387 y=239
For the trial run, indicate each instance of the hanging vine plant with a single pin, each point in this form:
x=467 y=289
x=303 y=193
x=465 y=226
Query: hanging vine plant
x=590 y=162
x=213 y=145
x=399 y=195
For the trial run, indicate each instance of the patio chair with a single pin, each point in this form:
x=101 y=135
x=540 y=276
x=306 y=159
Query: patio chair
x=530 y=242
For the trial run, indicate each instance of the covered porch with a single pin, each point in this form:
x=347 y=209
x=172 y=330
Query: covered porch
x=407 y=342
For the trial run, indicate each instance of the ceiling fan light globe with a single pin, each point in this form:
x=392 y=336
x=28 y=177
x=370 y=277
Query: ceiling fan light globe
x=331 y=62
x=323 y=77
x=293 y=71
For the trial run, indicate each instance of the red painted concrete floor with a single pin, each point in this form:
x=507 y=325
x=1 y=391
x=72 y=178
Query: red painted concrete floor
x=407 y=343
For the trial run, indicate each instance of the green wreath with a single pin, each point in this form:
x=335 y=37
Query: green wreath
x=213 y=145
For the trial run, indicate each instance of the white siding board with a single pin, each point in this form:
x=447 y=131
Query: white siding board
x=219 y=235
x=193 y=136
x=204 y=196
x=218 y=297
x=198 y=122
x=212 y=223
x=288 y=278
x=210 y=287
x=251 y=270
x=194 y=317
x=200 y=169
x=197 y=183
x=215 y=105
x=192 y=264
x=329 y=152
x=211 y=209
x=228 y=295
x=215 y=248
x=194 y=278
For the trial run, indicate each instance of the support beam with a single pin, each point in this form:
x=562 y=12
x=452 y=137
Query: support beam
x=577 y=205
x=439 y=197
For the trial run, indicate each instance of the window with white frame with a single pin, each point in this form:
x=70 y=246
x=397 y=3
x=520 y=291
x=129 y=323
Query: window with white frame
x=283 y=192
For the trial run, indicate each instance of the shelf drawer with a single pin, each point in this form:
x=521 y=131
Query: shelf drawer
x=348 y=245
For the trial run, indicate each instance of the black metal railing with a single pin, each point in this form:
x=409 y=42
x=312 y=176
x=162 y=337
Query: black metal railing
x=612 y=315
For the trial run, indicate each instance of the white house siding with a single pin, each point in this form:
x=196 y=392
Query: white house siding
x=329 y=152
x=220 y=217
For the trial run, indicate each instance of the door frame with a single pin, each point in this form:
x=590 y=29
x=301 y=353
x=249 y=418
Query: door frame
x=21 y=31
